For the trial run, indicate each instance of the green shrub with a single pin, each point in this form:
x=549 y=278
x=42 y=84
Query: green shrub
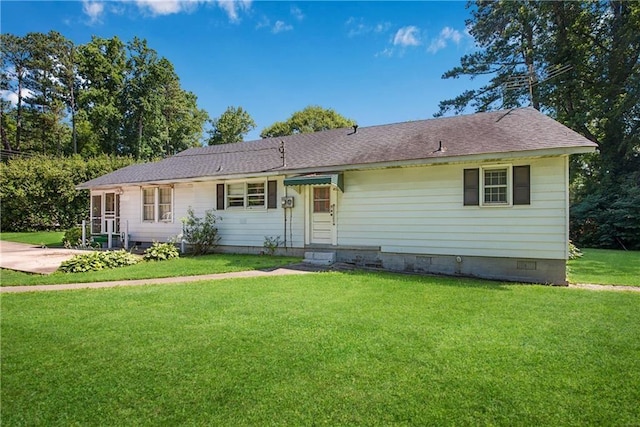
x=161 y=251
x=574 y=252
x=94 y=261
x=608 y=217
x=271 y=243
x=73 y=237
x=200 y=233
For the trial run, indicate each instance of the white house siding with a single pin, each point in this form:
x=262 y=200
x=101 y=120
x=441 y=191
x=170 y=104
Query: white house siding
x=238 y=227
x=249 y=227
x=141 y=231
x=420 y=210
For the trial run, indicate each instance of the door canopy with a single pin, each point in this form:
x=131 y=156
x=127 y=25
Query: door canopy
x=334 y=179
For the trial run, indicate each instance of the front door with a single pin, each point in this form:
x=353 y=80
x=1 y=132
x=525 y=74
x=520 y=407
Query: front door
x=105 y=208
x=111 y=212
x=323 y=216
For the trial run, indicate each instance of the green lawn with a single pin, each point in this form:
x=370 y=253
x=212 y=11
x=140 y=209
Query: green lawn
x=39 y=238
x=327 y=348
x=183 y=266
x=605 y=267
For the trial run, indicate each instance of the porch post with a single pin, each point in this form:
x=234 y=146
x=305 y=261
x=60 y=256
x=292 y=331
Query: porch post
x=109 y=233
x=84 y=233
x=126 y=234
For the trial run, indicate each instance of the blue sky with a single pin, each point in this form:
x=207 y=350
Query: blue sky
x=374 y=62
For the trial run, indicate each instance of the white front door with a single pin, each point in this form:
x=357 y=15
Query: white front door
x=322 y=228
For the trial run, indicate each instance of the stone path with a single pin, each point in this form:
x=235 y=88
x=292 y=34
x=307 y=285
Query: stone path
x=183 y=279
x=605 y=287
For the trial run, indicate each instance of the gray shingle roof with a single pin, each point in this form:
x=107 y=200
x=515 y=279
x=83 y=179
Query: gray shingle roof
x=498 y=132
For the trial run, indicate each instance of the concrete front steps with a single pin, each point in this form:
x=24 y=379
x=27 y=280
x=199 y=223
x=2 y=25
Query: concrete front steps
x=319 y=258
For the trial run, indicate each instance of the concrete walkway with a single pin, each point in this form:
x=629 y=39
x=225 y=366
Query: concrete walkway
x=618 y=288
x=33 y=259
x=183 y=279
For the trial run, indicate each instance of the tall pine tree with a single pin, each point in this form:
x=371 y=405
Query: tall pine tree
x=578 y=62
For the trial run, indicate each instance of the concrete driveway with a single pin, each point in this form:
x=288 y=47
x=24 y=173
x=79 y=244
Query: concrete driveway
x=33 y=259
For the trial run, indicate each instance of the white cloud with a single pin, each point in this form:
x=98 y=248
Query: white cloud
x=407 y=36
x=451 y=34
x=358 y=27
x=388 y=53
x=233 y=7
x=281 y=26
x=357 y=30
x=12 y=97
x=7 y=95
x=263 y=22
x=163 y=7
x=381 y=27
x=297 y=13
x=437 y=45
x=93 y=9
x=446 y=34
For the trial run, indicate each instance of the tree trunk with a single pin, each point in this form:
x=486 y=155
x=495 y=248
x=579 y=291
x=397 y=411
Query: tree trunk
x=3 y=134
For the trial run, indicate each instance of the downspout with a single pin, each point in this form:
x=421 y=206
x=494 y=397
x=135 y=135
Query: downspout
x=284 y=211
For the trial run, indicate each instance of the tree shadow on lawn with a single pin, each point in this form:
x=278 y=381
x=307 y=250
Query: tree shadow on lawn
x=240 y=262
x=413 y=277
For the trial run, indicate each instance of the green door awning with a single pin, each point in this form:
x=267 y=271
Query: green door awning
x=334 y=179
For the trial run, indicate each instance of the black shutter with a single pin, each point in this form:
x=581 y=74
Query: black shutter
x=220 y=197
x=522 y=185
x=272 y=194
x=471 y=187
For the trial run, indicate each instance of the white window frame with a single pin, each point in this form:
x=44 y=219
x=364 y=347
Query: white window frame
x=246 y=197
x=508 y=186
x=156 y=204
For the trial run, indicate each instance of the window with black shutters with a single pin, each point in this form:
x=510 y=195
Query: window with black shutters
x=497 y=185
x=247 y=195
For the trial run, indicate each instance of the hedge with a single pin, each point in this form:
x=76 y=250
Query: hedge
x=39 y=193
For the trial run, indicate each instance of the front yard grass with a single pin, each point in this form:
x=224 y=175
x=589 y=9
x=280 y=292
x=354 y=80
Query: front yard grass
x=183 y=266
x=328 y=348
x=51 y=239
x=605 y=267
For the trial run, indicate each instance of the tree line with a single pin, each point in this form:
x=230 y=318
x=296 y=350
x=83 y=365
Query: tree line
x=112 y=97
x=577 y=61
x=105 y=96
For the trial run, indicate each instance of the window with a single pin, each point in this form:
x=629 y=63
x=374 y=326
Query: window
x=157 y=204
x=164 y=204
x=497 y=186
x=250 y=195
x=148 y=204
x=255 y=194
x=247 y=194
x=235 y=195
x=96 y=214
x=321 y=199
